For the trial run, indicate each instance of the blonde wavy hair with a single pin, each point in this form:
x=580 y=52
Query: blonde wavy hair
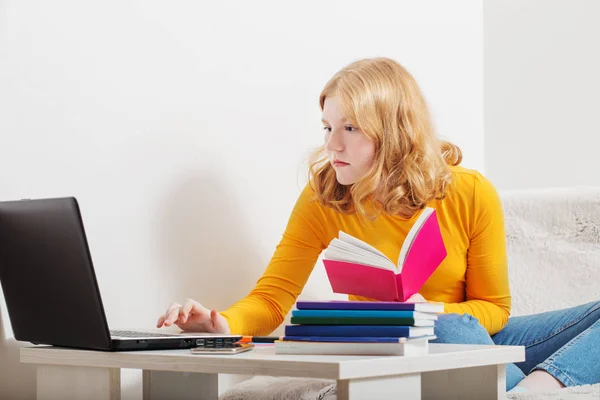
x=410 y=166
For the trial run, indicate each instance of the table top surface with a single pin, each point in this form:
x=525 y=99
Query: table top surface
x=263 y=361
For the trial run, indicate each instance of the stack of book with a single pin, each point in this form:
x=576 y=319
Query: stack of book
x=390 y=326
x=360 y=328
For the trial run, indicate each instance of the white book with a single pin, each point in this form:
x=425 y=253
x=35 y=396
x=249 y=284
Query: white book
x=404 y=347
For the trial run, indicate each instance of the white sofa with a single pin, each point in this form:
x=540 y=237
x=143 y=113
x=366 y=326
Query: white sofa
x=553 y=246
x=553 y=238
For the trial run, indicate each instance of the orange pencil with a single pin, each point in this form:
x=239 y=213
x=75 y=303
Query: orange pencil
x=259 y=339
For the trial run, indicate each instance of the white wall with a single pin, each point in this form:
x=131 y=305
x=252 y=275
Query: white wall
x=541 y=92
x=183 y=128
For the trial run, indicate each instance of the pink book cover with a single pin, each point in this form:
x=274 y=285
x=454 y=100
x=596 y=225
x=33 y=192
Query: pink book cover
x=422 y=252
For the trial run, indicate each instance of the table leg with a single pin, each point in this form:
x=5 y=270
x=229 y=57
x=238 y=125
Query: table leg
x=159 y=385
x=482 y=383
x=57 y=382
x=405 y=387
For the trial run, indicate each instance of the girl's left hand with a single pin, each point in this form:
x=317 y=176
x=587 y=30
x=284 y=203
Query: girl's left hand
x=416 y=298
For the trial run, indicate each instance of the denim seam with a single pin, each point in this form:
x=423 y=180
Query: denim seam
x=563 y=328
x=567 y=346
x=549 y=362
x=555 y=372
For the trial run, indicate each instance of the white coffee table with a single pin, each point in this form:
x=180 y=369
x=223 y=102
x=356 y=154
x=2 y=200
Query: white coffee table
x=448 y=372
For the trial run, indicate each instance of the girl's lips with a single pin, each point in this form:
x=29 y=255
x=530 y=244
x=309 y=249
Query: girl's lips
x=340 y=164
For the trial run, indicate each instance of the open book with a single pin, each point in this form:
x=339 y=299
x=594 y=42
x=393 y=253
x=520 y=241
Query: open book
x=355 y=267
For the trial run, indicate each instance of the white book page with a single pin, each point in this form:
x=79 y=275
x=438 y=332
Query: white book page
x=338 y=244
x=344 y=237
x=341 y=251
x=424 y=315
x=411 y=236
x=347 y=238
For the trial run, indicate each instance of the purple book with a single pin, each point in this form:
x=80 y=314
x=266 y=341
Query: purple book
x=369 y=305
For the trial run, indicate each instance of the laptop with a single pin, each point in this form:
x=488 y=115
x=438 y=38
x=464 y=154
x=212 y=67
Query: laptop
x=50 y=286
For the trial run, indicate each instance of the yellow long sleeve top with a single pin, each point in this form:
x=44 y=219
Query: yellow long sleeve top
x=472 y=279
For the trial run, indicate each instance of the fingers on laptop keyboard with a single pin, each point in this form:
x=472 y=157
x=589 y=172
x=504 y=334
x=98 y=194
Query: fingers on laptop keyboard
x=191 y=306
x=170 y=315
x=177 y=313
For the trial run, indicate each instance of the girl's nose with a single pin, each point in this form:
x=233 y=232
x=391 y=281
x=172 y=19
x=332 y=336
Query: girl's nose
x=334 y=142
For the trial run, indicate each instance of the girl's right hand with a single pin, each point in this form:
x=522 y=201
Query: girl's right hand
x=193 y=317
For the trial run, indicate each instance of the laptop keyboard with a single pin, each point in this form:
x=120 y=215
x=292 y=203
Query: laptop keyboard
x=140 y=334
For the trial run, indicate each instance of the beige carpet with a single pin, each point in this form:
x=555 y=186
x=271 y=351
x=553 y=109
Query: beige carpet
x=285 y=388
x=585 y=392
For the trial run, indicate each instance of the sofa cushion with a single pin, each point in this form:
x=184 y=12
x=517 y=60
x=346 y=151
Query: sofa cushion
x=553 y=247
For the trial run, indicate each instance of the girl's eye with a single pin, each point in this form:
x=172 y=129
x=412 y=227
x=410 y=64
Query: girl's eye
x=348 y=128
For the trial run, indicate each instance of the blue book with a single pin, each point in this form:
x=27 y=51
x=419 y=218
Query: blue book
x=363 y=314
x=358 y=330
x=369 y=305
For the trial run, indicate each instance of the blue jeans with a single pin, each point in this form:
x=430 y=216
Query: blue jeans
x=564 y=343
